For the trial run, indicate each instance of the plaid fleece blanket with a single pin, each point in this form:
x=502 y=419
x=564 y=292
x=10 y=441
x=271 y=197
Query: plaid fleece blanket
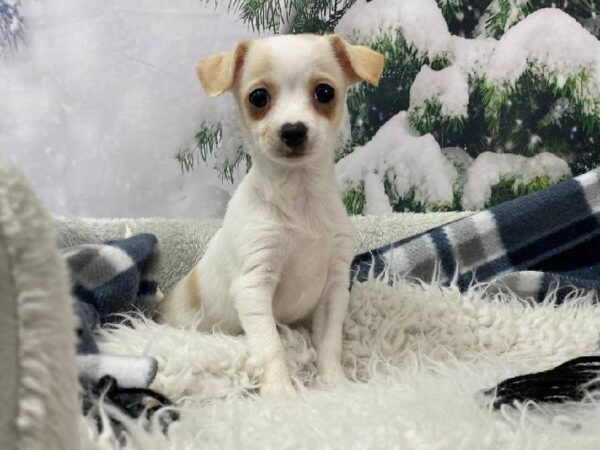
x=107 y=280
x=542 y=242
x=545 y=242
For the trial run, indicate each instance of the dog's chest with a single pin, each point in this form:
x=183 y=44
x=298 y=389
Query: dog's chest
x=304 y=271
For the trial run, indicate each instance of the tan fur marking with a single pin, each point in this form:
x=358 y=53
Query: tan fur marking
x=192 y=290
x=217 y=73
x=257 y=73
x=255 y=113
x=339 y=50
x=358 y=62
x=327 y=110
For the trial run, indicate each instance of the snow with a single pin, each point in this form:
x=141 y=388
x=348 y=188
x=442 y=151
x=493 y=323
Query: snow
x=458 y=156
x=377 y=202
x=102 y=97
x=553 y=44
x=548 y=41
x=447 y=87
x=420 y=22
x=422 y=25
x=405 y=159
x=471 y=55
x=490 y=168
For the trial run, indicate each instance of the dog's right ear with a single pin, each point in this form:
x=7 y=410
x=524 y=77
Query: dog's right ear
x=217 y=73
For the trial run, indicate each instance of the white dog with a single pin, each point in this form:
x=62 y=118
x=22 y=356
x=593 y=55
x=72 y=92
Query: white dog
x=285 y=247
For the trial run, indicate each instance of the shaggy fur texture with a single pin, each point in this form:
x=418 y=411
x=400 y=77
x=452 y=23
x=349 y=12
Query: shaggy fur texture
x=45 y=374
x=420 y=357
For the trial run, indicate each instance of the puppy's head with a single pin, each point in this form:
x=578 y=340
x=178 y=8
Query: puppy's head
x=291 y=90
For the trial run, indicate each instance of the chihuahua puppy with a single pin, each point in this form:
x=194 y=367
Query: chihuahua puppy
x=284 y=251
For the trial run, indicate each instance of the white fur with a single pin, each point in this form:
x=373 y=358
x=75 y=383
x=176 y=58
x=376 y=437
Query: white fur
x=284 y=250
x=420 y=356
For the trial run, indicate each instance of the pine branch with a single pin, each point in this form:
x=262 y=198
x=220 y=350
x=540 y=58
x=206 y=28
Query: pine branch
x=431 y=120
x=534 y=86
x=407 y=201
x=511 y=188
x=12 y=25
x=207 y=140
x=451 y=8
x=354 y=200
x=293 y=16
x=502 y=14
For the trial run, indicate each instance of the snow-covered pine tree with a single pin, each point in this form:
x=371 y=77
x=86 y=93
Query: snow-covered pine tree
x=12 y=25
x=480 y=101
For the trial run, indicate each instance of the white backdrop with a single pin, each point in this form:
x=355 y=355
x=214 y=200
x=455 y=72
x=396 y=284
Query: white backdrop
x=93 y=109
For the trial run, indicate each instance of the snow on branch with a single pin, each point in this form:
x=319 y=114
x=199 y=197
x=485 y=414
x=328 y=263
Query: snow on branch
x=420 y=21
x=471 y=56
x=490 y=168
x=548 y=42
x=554 y=45
x=448 y=88
x=377 y=202
x=405 y=160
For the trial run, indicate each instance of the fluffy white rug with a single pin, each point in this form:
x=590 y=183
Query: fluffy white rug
x=419 y=358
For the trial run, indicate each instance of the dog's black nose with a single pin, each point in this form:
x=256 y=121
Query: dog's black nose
x=293 y=134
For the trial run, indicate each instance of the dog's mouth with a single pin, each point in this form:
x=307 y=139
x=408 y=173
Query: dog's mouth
x=283 y=154
x=293 y=153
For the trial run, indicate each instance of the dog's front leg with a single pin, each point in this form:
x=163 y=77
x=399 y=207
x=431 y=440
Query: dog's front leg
x=327 y=331
x=253 y=297
x=330 y=313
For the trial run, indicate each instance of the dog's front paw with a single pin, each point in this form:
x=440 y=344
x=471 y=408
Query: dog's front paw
x=333 y=375
x=277 y=389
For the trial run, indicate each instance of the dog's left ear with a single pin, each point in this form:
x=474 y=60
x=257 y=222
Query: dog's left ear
x=217 y=73
x=359 y=63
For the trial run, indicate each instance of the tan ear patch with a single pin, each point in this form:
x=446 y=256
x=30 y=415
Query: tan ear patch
x=359 y=63
x=217 y=73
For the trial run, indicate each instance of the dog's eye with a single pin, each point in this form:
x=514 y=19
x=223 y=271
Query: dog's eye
x=324 y=93
x=259 y=98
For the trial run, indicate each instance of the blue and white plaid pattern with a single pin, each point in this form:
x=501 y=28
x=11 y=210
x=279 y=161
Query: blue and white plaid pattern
x=531 y=245
x=107 y=280
x=548 y=241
